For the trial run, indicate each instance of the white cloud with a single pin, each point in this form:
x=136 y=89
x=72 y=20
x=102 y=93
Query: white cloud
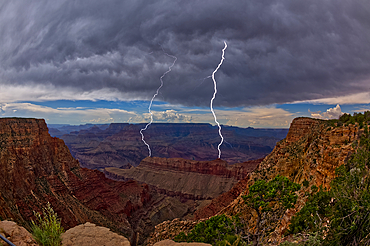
x=331 y=113
x=65 y=115
x=260 y=117
x=268 y=117
x=169 y=116
x=359 y=98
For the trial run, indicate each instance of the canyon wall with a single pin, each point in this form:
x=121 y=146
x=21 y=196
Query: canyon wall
x=187 y=178
x=311 y=152
x=36 y=168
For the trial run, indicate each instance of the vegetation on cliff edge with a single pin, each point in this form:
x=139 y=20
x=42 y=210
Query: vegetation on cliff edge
x=341 y=215
x=267 y=199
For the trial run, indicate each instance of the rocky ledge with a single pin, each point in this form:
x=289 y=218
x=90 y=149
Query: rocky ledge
x=192 y=179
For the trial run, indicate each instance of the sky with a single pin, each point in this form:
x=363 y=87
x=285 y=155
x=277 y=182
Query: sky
x=89 y=61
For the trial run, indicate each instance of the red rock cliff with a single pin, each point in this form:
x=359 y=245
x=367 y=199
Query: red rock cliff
x=196 y=179
x=36 y=168
x=215 y=167
x=311 y=152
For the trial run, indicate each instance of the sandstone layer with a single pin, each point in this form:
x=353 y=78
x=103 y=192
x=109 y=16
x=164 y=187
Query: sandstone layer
x=191 y=179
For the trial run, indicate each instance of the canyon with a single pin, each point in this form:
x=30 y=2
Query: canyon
x=36 y=168
x=120 y=144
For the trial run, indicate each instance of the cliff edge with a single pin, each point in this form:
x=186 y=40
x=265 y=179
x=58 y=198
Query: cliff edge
x=36 y=168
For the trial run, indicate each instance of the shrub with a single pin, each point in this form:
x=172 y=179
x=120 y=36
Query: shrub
x=269 y=200
x=218 y=230
x=47 y=228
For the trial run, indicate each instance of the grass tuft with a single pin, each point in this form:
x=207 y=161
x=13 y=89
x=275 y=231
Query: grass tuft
x=47 y=228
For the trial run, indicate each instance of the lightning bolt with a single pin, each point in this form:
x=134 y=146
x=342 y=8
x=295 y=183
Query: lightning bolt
x=151 y=102
x=213 y=98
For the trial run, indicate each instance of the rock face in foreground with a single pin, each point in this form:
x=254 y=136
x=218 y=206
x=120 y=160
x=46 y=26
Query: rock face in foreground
x=191 y=179
x=120 y=145
x=16 y=234
x=89 y=234
x=36 y=168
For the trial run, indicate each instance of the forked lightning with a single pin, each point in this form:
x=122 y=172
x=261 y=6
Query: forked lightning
x=151 y=102
x=213 y=98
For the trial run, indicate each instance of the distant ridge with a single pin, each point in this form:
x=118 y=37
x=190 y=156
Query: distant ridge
x=120 y=144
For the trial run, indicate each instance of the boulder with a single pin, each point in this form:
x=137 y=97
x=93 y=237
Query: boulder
x=18 y=235
x=89 y=234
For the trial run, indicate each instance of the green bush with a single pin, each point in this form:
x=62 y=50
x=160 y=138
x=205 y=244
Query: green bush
x=269 y=200
x=47 y=228
x=310 y=217
x=232 y=240
x=218 y=230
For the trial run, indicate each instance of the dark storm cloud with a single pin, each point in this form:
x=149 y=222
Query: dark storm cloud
x=279 y=51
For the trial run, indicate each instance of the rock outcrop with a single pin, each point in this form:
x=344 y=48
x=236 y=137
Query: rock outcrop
x=311 y=152
x=36 y=168
x=16 y=234
x=120 y=145
x=190 y=179
x=169 y=229
x=89 y=234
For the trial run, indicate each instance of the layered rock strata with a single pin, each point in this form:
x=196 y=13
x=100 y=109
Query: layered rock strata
x=223 y=200
x=36 y=168
x=191 y=179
